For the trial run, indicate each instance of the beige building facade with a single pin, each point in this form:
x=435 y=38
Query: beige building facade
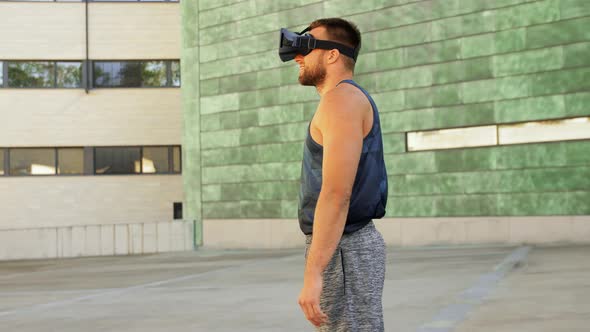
x=90 y=164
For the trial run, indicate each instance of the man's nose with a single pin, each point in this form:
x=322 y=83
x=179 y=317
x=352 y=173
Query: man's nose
x=299 y=58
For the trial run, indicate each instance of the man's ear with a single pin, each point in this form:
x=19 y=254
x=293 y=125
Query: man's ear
x=333 y=55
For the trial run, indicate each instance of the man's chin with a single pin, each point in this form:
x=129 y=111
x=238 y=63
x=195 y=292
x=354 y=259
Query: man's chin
x=305 y=82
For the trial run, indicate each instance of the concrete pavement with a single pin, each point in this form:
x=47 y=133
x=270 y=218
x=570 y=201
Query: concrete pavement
x=434 y=289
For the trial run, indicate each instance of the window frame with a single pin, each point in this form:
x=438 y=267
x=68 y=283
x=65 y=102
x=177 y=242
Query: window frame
x=87 y=74
x=57 y=162
x=4 y=70
x=500 y=131
x=141 y=147
x=118 y=147
x=89 y=160
x=32 y=148
x=168 y=161
x=54 y=63
x=168 y=69
x=4 y=165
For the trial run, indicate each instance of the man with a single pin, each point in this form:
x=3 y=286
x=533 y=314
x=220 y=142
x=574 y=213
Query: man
x=343 y=183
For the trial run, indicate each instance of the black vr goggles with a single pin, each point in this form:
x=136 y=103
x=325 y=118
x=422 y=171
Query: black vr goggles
x=293 y=43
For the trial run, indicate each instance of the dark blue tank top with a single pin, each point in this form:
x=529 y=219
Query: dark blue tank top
x=369 y=191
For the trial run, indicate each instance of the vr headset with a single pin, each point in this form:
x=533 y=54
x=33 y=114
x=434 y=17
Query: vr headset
x=293 y=43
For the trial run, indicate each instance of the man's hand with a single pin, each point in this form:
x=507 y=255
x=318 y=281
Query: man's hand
x=309 y=299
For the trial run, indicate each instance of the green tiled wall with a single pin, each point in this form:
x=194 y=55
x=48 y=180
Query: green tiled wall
x=429 y=64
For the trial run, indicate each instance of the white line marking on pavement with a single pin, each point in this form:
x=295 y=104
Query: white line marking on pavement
x=453 y=314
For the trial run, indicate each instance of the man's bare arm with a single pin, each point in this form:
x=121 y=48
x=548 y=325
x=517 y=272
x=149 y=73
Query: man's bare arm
x=340 y=122
x=341 y=126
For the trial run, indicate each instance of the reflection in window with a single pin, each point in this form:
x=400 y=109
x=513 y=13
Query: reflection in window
x=117 y=160
x=154 y=73
x=1 y=161
x=155 y=160
x=135 y=74
x=37 y=74
x=69 y=74
x=39 y=161
x=175 y=73
x=44 y=74
x=107 y=160
x=176 y=160
x=70 y=161
x=108 y=74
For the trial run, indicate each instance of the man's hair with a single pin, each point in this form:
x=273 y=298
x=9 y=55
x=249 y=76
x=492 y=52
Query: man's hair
x=341 y=31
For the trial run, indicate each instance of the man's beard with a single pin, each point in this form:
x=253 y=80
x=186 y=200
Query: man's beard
x=312 y=77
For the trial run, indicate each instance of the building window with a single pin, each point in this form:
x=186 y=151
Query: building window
x=175 y=68
x=452 y=138
x=137 y=160
x=117 y=160
x=37 y=161
x=109 y=74
x=30 y=74
x=1 y=74
x=44 y=74
x=68 y=74
x=90 y=160
x=155 y=160
x=154 y=73
x=500 y=134
x=70 y=161
x=130 y=74
x=177 y=210
x=1 y=162
x=176 y=159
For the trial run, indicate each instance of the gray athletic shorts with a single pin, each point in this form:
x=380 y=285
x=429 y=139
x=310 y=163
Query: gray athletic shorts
x=353 y=283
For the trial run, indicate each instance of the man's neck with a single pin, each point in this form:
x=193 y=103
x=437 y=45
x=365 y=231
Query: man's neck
x=331 y=81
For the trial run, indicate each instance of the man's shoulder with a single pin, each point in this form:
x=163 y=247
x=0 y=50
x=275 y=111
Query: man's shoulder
x=346 y=91
x=345 y=95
